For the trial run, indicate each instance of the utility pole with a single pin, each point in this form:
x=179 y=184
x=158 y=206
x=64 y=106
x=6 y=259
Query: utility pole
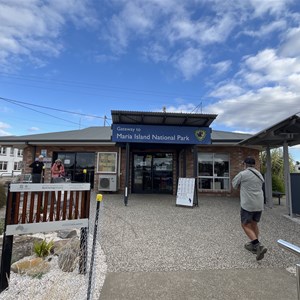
x=104 y=120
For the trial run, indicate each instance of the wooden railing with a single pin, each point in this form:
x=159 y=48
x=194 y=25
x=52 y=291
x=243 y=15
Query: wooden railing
x=34 y=207
x=42 y=207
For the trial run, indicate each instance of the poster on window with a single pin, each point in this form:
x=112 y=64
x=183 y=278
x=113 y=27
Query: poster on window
x=107 y=162
x=185 y=191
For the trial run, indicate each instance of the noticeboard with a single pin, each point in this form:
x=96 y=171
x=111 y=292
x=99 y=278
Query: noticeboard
x=186 y=191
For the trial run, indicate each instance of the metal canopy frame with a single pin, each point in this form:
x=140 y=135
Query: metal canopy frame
x=162 y=118
x=275 y=136
x=283 y=134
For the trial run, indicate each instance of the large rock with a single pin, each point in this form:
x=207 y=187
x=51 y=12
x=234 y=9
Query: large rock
x=67 y=260
x=66 y=234
x=31 y=266
x=61 y=245
x=67 y=254
x=22 y=246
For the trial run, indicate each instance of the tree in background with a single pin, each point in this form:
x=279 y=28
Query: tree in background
x=277 y=167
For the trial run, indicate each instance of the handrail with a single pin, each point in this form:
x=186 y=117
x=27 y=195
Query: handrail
x=295 y=250
x=290 y=247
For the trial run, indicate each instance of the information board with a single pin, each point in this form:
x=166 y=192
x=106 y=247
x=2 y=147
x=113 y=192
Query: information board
x=185 y=191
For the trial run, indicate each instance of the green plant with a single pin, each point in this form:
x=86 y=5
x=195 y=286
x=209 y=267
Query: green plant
x=2 y=196
x=277 y=183
x=43 y=249
x=2 y=223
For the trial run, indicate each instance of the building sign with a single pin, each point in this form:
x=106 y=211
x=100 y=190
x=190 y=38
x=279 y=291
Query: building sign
x=161 y=134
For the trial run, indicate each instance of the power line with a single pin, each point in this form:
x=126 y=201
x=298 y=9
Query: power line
x=7 y=100
x=94 y=86
x=51 y=108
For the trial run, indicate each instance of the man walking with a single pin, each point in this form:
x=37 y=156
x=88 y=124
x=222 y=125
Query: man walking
x=37 y=170
x=252 y=203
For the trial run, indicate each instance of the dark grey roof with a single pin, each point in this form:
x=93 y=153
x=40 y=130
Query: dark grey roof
x=221 y=137
x=286 y=130
x=162 y=118
x=98 y=136
x=87 y=136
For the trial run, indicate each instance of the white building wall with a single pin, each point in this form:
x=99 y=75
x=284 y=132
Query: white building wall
x=10 y=161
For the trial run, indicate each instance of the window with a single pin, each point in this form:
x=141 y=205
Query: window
x=20 y=152
x=12 y=151
x=213 y=171
x=3 y=165
x=17 y=166
x=3 y=151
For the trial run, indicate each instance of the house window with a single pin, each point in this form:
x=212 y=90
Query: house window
x=20 y=152
x=12 y=151
x=17 y=166
x=3 y=151
x=3 y=165
x=213 y=171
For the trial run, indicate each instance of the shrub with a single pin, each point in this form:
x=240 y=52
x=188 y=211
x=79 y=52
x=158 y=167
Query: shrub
x=277 y=184
x=2 y=223
x=2 y=196
x=43 y=249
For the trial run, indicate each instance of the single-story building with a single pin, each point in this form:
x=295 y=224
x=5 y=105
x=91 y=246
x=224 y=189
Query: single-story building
x=143 y=152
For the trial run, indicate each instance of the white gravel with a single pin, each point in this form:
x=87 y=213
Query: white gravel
x=57 y=284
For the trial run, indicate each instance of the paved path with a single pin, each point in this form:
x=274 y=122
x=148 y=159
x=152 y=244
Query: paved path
x=156 y=250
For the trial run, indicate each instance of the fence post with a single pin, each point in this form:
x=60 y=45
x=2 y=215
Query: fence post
x=7 y=245
x=99 y=199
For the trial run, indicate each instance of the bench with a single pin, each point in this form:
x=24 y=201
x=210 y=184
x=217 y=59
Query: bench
x=278 y=195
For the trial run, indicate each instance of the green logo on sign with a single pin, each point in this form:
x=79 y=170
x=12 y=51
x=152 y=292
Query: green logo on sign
x=200 y=134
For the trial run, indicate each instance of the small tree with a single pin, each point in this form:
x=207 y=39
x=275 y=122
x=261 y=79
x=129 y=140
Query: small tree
x=277 y=168
x=2 y=196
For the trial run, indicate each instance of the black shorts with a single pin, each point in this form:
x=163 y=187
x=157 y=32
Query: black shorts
x=249 y=216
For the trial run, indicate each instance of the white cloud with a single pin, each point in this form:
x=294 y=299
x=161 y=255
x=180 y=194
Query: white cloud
x=34 y=28
x=182 y=108
x=255 y=110
x=267 y=29
x=3 y=127
x=291 y=47
x=227 y=91
x=222 y=66
x=33 y=129
x=189 y=62
x=267 y=67
x=273 y=7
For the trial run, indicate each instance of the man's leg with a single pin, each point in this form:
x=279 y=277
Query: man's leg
x=251 y=230
x=254 y=246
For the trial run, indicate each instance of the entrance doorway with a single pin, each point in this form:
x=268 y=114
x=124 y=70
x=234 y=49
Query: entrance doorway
x=152 y=173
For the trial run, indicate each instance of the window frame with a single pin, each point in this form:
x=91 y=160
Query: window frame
x=3 y=165
x=214 y=177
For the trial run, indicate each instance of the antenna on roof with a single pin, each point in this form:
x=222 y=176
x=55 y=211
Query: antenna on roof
x=104 y=120
x=164 y=109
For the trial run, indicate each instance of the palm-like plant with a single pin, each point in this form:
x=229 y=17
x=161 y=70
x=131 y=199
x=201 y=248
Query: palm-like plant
x=277 y=167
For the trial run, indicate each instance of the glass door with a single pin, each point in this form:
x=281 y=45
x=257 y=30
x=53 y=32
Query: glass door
x=163 y=172
x=142 y=177
x=152 y=173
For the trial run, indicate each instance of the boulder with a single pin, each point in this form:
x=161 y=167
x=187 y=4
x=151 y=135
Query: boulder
x=67 y=260
x=66 y=234
x=31 y=266
x=61 y=245
x=22 y=246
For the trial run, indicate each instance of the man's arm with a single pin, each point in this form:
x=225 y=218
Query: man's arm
x=236 y=181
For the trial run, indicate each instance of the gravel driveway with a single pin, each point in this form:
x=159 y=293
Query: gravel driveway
x=152 y=234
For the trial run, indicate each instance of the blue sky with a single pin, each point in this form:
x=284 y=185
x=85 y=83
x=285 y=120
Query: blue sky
x=238 y=59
